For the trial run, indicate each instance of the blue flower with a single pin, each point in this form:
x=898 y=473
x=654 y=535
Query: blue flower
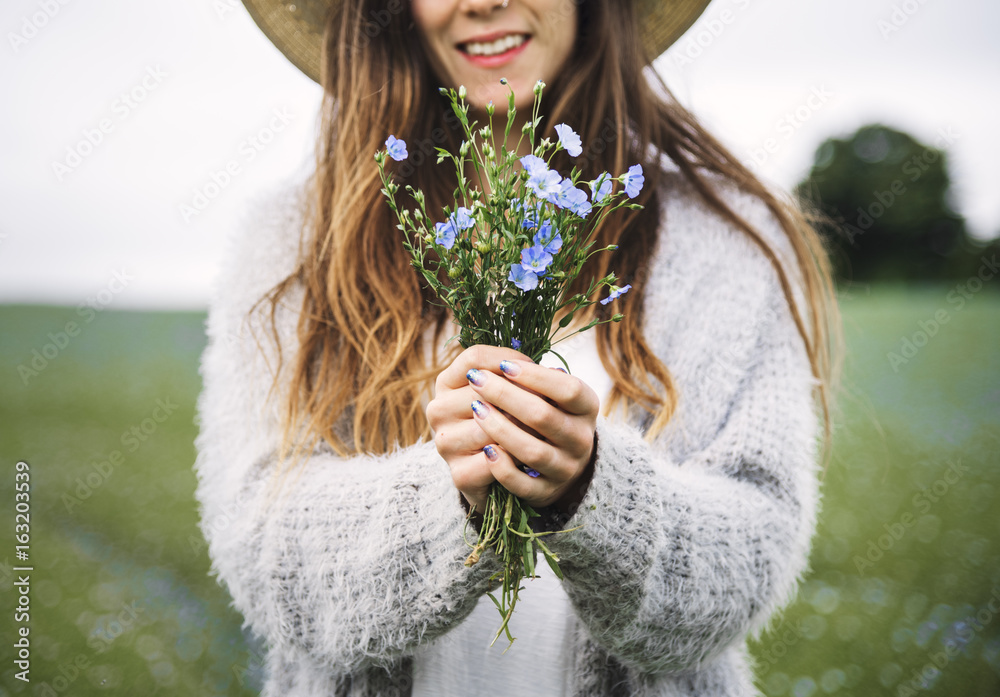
x=445 y=234
x=546 y=185
x=535 y=259
x=531 y=216
x=548 y=238
x=569 y=140
x=582 y=207
x=598 y=194
x=515 y=344
x=522 y=278
x=396 y=148
x=534 y=166
x=462 y=218
x=615 y=292
x=572 y=198
x=633 y=180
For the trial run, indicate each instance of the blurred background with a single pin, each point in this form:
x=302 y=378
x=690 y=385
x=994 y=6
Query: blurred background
x=119 y=118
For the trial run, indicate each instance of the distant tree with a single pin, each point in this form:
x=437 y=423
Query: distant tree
x=889 y=199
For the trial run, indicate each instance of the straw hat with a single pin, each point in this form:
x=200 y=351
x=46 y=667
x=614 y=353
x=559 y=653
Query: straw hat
x=296 y=26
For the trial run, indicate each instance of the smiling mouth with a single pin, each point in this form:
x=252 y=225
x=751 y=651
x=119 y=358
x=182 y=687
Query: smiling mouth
x=494 y=48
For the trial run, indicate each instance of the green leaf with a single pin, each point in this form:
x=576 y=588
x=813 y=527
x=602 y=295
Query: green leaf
x=529 y=558
x=493 y=598
x=562 y=360
x=552 y=564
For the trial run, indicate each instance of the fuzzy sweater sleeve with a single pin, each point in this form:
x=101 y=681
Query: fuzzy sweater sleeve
x=357 y=560
x=690 y=543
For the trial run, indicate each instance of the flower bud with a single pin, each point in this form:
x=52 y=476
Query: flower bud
x=483 y=247
x=618 y=318
x=461 y=92
x=539 y=86
x=454 y=272
x=489 y=108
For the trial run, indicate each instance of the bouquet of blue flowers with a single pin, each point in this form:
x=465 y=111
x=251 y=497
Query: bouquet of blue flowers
x=503 y=265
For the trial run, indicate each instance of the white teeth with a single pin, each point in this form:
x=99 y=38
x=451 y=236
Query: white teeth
x=495 y=47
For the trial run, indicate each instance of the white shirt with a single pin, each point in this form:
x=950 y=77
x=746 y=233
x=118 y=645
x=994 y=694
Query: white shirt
x=461 y=663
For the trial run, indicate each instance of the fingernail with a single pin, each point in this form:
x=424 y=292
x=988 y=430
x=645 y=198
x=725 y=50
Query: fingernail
x=476 y=377
x=561 y=369
x=480 y=409
x=531 y=472
x=510 y=368
x=491 y=453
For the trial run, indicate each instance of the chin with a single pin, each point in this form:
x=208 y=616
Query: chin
x=523 y=94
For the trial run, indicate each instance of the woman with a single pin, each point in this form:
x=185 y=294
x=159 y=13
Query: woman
x=684 y=443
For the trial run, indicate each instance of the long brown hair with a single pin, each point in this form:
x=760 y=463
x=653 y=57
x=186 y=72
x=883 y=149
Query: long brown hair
x=362 y=366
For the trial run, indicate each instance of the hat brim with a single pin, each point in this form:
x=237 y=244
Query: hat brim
x=296 y=29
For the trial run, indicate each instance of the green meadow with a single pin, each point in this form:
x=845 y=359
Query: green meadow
x=905 y=564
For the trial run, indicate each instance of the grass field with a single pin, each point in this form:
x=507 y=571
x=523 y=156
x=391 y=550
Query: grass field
x=904 y=566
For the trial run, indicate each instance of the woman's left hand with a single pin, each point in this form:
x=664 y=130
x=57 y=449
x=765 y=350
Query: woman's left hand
x=551 y=427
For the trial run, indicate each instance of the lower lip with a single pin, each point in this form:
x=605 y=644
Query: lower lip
x=497 y=60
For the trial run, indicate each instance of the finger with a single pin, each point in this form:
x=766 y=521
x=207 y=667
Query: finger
x=537 y=454
x=472 y=474
x=569 y=392
x=449 y=405
x=505 y=470
x=529 y=412
x=461 y=438
x=478 y=356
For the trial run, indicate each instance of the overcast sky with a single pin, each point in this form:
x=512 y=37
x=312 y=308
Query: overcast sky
x=214 y=90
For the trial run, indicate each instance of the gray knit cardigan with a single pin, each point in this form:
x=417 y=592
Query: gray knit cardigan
x=688 y=545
